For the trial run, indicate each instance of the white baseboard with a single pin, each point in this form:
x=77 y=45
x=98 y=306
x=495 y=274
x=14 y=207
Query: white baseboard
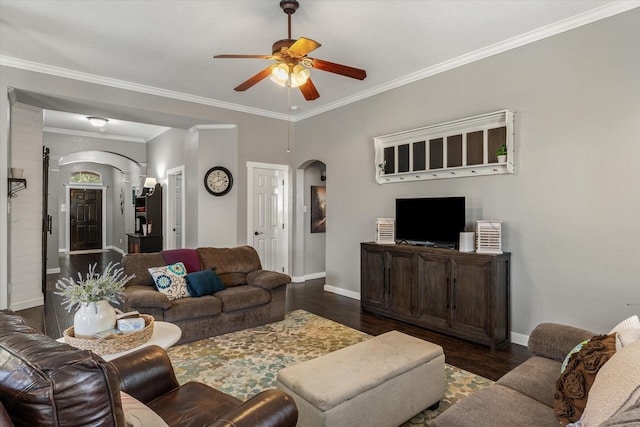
x=117 y=249
x=53 y=270
x=23 y=305
x=343 y=292
x=311 y=276
x=521 y=339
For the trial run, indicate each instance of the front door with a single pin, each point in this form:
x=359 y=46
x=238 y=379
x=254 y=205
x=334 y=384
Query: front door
x=85 y=228
x=269 y=236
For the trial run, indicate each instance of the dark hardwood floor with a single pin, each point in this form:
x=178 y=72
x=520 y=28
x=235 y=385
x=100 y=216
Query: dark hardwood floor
x=310 y=296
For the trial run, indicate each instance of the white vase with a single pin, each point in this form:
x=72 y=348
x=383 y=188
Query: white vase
x=502 y=158
x=93 y=317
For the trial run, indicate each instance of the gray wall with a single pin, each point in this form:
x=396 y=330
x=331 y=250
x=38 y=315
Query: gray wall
x=571 y=211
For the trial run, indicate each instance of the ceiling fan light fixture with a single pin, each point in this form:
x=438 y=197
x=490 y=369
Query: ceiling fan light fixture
x=300 y=75
x=280 y=74
x=98 y=122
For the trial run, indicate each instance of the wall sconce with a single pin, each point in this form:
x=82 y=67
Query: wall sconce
x=148 y=186
x=323 y=175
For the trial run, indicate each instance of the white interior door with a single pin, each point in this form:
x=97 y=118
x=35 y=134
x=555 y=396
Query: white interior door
x=267 y=225
x=175 y=209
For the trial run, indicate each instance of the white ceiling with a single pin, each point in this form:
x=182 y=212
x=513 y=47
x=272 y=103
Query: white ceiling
x=167 y=47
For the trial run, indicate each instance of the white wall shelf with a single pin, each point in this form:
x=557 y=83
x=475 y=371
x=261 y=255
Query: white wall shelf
x=465 y=147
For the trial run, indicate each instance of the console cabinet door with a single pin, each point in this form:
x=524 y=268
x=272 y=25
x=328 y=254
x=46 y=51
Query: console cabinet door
x=373 y=278
x=470 y=303
x=401 y=283
x=434 y=290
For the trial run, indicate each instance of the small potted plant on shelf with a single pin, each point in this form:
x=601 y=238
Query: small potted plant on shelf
x=502 y=153
x=381 y=167
x=92 y=296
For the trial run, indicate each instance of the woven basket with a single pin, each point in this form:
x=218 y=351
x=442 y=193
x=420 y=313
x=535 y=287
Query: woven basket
x=112 y=343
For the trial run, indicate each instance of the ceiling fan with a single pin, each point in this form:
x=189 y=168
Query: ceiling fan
x=292 y=63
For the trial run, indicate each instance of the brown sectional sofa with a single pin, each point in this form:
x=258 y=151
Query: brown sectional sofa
x=525 y=395
x=252 y=296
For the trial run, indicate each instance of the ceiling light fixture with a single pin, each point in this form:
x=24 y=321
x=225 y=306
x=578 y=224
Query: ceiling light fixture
x=287 y=75
x=98 y=122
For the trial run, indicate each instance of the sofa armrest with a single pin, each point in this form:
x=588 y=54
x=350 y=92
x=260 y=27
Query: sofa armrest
x=270 y=408
x=555 y=341
x=146 y=373
x=145 y=296
x=267 y=279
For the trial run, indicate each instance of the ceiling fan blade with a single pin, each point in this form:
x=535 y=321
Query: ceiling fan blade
x=345 y=70
x=255 y=79
x=309 y=91
x=244 y=56
x=302 y=46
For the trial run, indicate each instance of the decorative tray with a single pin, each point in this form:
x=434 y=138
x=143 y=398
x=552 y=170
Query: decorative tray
x=112 y=343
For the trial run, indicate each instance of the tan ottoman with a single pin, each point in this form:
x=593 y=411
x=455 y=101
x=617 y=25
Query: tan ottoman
x=380 y=382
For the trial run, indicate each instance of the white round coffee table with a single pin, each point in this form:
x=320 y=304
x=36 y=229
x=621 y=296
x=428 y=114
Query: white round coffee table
x=165 y=335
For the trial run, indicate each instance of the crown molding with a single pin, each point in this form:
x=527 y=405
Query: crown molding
x=94 y=135
x=37 y=67
x=585 y=18
x=602 y=12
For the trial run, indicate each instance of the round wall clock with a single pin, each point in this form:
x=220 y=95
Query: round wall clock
x=218 y=181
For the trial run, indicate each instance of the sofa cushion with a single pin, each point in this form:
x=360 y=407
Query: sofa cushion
x=627 y=418
x=616 y=387
x=140 y=297
x=170 y=280
x=191 y=308
x=231 y=264
x=205 y=282
x=137 y=414
x=627 y=331
x=573 y=351
x=573 y=385
x=189 y=398
x=241 y=297
x=189 y=257
x=535 y=378
x=139 y=264
x=267 y=279
x=496 y=406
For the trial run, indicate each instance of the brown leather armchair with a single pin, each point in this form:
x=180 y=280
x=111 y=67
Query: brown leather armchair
x=47 y=383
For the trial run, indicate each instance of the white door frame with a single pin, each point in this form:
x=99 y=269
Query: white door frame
x=251 y=166
x=68 y=188
x=171 y=198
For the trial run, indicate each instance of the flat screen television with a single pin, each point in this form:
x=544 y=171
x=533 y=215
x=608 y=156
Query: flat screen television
x=431 y=221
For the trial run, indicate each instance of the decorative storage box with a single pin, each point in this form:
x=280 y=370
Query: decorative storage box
x=385 y=231
x=112 y=343
x=489 y=237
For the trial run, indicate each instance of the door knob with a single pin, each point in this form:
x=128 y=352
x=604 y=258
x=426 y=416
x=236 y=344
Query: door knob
x=256 y=233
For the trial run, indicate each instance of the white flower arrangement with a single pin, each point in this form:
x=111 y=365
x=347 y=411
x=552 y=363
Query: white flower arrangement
x=95 y=287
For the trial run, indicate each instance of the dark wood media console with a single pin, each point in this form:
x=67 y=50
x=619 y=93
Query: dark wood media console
x=465 y=295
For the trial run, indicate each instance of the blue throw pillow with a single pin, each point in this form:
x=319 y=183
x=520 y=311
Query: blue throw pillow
x=204 y=282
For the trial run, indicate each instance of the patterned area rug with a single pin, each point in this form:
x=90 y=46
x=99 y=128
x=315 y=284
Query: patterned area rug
x=246 y=362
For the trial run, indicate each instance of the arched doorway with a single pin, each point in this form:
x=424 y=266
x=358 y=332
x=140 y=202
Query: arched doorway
x=312 y=219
